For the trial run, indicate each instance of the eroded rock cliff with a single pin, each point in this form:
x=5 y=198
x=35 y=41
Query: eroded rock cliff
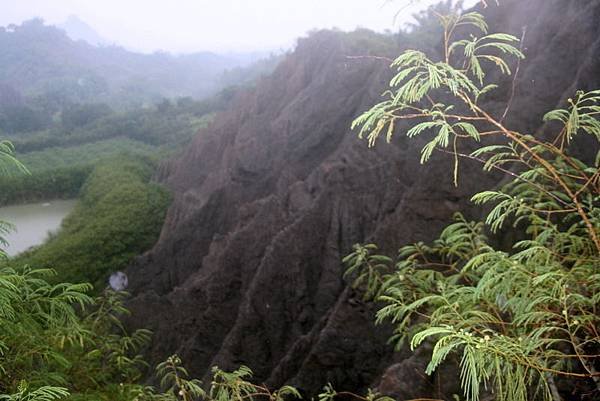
x=272 y=196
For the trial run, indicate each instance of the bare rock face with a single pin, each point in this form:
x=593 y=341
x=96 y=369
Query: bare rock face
x=406 y=380
x=272 y=196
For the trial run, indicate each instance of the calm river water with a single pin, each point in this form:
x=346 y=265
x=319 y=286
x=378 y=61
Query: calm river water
x=33 y=222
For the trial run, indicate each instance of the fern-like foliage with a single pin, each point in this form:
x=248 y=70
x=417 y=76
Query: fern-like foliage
x=330 y=394
x=108 y=354
x=176 y=385
x=36 y=319
x=225 y=386
x=5 y=229
x=55 y=336
x=518 y=319
x=45 y=393
x=8 y=165
x=8 y=162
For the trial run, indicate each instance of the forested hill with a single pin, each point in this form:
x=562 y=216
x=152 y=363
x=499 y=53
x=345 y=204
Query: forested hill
x=41 y=63
x=77 y=29
x=271 y=198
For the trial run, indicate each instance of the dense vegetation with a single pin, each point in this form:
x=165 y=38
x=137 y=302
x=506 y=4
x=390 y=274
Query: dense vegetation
x=119 y=215
x=520 y=321
x=56 y=335
x=74 y=103
x=60 y=158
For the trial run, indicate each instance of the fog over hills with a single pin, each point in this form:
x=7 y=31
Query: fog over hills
x=77 y=29
x=188 y=26
x=46 y=64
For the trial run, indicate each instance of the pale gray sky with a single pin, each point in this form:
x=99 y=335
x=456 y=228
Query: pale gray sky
x=216 y=25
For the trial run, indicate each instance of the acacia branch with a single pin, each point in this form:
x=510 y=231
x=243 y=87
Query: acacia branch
x=506 y=171
x=517 y=139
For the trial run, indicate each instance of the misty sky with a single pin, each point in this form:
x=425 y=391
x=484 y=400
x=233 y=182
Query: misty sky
x=215 y=25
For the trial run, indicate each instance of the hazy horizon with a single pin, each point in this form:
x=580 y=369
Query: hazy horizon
x=187 y=26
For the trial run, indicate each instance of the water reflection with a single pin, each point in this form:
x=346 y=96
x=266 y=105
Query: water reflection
x=33 y=222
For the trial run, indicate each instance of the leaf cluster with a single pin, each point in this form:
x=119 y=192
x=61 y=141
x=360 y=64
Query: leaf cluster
x=517 y=319
x=55 y=336
x=175 y=385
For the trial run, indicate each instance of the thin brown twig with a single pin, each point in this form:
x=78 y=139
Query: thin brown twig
x=556 y=175
x=514 y=80
x=370 y=57
x=506 y=171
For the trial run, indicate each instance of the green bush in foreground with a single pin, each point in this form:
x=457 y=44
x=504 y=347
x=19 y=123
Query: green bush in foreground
x=519 y=321
x=56 y=337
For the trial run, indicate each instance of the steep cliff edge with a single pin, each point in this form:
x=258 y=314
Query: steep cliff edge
x=271 y=197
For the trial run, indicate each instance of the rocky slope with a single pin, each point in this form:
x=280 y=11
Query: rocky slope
x=274 y=194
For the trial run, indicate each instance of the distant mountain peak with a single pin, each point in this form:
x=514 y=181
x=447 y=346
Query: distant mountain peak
x=77 y=29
